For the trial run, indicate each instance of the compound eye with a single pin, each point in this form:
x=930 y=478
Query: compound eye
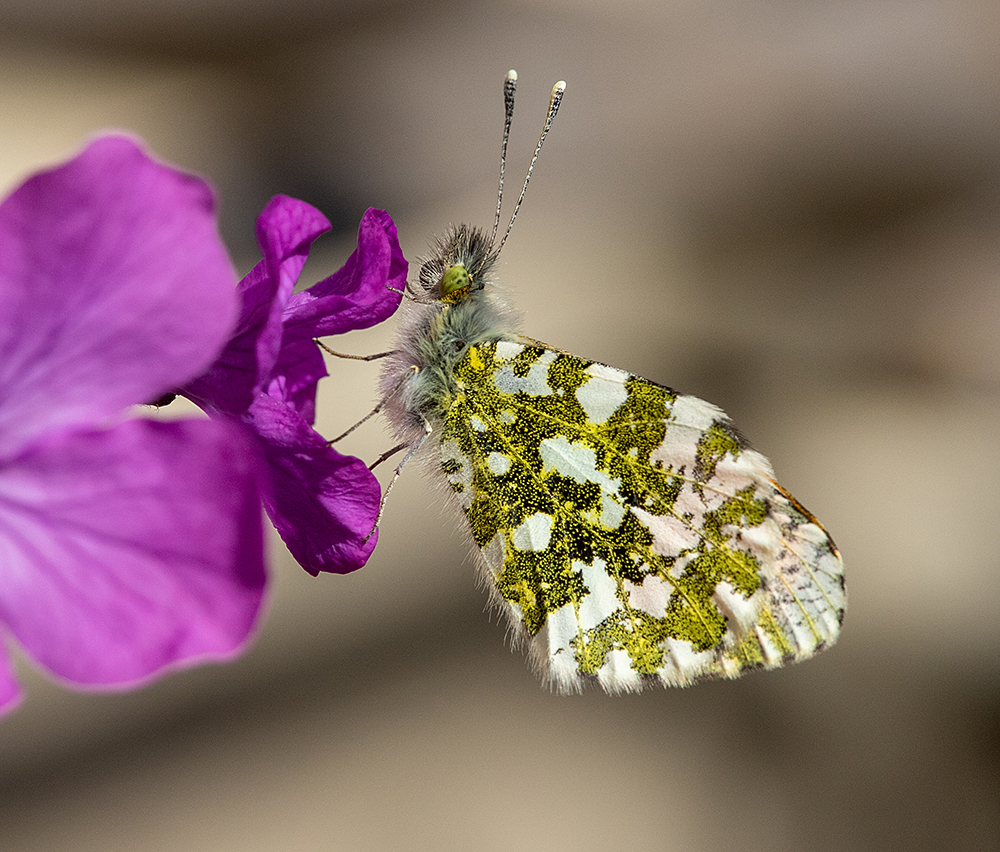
x=455 y=282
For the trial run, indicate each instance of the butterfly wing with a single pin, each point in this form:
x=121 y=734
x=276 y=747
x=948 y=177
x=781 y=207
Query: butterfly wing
x=629 y=531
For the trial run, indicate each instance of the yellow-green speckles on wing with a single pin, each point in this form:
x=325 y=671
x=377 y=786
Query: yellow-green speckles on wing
x=631 y=532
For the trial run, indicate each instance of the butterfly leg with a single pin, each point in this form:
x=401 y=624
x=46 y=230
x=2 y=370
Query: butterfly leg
x=399 y=469
x=387 y=454
x=379 y=405
x=374 y=357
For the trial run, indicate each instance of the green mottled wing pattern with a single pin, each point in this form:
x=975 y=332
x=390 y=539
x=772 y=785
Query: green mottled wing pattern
x=630 y=533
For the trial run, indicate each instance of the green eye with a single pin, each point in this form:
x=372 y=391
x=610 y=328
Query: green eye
x=455 y=279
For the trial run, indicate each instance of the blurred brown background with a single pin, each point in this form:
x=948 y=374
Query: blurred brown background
x=790 y=209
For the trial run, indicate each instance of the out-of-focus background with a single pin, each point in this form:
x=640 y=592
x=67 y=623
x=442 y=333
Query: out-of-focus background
x=789 y=209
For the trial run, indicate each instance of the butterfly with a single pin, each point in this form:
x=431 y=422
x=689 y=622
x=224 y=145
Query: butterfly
x=629 y=532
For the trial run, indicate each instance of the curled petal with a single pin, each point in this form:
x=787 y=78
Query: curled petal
x=131 y=550
x=322 y=503
x=286 y=229
x=114 y=288
x=358 y=295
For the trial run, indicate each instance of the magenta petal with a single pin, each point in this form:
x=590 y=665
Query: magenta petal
x=114 y=288
x=10 y=689
x=300 y=367
x=322 y=503
x=359 y=294
x=286 y=229
x=134 y=549
x=229 y=385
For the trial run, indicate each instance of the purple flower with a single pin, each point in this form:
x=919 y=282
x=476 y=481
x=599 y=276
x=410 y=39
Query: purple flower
x=126 y=546
x=323 y=504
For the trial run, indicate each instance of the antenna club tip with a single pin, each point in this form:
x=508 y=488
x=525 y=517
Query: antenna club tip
x=559 y=87
x=512 y=75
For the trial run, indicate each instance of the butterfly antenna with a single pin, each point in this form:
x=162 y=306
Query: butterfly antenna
x=509 y=85
x=554 y=100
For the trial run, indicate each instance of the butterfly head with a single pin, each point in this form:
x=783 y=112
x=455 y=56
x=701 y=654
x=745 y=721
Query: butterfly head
x=459 y=267
x=455 y=283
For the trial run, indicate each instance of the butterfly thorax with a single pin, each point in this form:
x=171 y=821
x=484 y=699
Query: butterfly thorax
x=453 y=307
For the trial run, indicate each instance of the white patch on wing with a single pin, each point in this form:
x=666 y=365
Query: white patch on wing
x=688 y=420
x=603 y=394
x=681 y=563
x=671 y=535
x=763 y=541
x=602 y=600
x=749 y=464
x=690 y=505
x=696 y=413
x=535 y=383
x=682 y=663
x=733 y=475
x=507 y=350
x=562 y=627
x=677 y=450
x=612 y=512
x=617 y=674
x=740 y=612
x=609 y=515
x=811 y=533
x=552 y=644
x=534 y=532
x=796 y=623
x=575 y=461
x=498 y=463
x=651 y=597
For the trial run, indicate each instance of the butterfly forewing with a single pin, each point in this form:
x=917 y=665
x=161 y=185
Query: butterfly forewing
x=629 y=531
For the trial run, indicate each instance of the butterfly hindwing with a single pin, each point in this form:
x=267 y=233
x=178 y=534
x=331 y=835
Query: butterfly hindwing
x=628 y=530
